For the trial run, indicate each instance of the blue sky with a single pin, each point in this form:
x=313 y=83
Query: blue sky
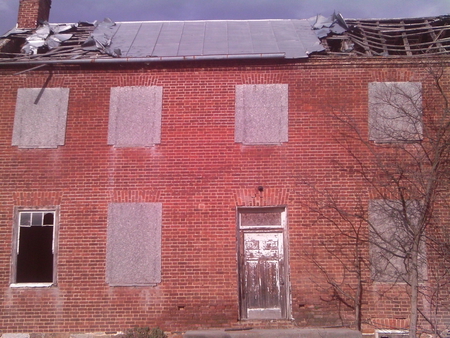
x=147 y=10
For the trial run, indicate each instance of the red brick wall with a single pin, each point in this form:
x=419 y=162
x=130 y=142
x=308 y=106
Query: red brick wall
x=200 y=175
x=33 y=11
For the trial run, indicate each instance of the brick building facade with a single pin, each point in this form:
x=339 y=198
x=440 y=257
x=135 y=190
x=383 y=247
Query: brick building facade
x=198 y=212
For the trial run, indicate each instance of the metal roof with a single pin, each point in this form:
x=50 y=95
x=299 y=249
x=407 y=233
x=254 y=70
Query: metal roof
x=147 y=41
x=293 y=38
x=173 y=40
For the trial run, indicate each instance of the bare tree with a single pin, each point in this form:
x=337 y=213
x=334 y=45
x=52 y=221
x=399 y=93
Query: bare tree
x=347 y=247
x=404 y=163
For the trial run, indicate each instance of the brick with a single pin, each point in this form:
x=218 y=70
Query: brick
x=200 y=175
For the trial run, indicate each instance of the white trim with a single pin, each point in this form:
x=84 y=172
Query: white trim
x=378 y=333
x=30 y=285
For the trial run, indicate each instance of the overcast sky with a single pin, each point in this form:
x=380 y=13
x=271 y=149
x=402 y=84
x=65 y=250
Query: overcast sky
x=148 y=10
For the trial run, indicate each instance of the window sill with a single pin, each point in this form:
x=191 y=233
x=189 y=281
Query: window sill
x=31 y=285
x=134 y=285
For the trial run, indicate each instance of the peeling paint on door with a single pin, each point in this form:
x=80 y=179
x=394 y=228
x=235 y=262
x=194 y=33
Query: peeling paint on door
x=262 y=273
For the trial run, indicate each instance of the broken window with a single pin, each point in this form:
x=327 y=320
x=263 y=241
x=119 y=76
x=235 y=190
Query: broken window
x=135 y=116
x=40 y=118
x=391 y=238
x=34 y=252
x=261 y=114
x=133 y=255
x=395 y=111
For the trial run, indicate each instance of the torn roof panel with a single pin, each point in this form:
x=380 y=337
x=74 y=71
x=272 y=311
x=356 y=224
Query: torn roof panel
x=15 y=31
x=310 y=42
x=162 y=40
x=221 y=39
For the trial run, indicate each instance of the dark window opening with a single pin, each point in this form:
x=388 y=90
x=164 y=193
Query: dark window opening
x=35 y=256
x=48 y=218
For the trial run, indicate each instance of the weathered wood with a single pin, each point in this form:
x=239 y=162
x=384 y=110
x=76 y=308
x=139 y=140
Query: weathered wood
x=262 y=270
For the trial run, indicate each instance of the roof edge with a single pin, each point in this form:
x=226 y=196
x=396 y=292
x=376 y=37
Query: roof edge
x=149 y=59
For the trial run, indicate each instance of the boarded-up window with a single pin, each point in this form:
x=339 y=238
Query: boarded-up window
x=34 y=258
x=261 y=114
x=395 y=111
x=134 y=244
x=391 y=237
x=40 y=118
x=135 y=116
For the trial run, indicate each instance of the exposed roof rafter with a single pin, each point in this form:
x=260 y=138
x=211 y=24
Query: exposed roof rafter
x=108 y=41
x=395 y=37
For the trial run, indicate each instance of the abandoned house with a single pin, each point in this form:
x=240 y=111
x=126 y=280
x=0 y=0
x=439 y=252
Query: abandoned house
x=222 y=174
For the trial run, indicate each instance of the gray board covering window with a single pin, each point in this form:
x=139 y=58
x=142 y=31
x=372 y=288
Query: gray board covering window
x=135 y=116
x=261 y=114
x=40 y=117
x=133 y=255
x=391 y=231
x=395 y=112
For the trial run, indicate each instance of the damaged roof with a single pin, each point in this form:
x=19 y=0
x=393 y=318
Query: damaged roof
x=167 y=40
x=108 y=41
x=385 y=37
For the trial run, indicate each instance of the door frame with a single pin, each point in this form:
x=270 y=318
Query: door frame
x=281 y=228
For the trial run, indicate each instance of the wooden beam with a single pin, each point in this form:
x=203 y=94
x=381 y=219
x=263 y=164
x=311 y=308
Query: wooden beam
x=435 y=37
x=366 y=48
x=405 y=41
x=383 y=42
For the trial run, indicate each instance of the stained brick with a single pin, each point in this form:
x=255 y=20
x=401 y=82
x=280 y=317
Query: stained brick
x=200 y=175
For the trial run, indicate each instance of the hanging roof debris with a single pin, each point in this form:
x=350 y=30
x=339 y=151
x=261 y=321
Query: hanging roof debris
x=324 y=26
x=170 y=40
x=108 y=41
x=48 y=41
